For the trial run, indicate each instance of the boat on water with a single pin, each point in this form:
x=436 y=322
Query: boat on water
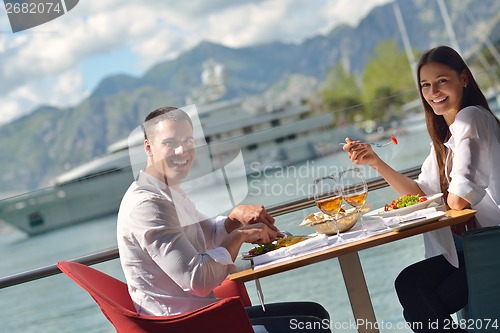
x=89 y=191
x=265 y=138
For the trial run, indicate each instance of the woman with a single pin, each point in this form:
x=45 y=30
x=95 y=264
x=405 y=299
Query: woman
x=462 y=164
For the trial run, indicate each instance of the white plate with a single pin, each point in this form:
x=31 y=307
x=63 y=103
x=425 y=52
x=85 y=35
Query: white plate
x=406 y=210
x=412 y=224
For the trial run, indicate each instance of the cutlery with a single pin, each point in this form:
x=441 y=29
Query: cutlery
x=378 y=145
x=260 y=294
x=413 y=219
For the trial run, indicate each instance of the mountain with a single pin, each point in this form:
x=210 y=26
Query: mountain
x=50 y=140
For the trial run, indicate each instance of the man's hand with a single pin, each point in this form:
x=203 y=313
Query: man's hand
x=256 y=233
x=249 y=214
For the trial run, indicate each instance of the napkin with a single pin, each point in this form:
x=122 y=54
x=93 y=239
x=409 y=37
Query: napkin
x=436 y=242
x=422 y=213
x=292 y=250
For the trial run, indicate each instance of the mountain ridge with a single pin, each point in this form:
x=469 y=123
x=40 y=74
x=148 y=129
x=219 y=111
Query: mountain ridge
x=73 y=135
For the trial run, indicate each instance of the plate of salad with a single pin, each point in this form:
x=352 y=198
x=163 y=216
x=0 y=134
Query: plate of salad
x=405 y=204
x=277 y=244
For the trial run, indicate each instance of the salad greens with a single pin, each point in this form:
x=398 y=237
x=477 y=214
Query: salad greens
x=404 y=201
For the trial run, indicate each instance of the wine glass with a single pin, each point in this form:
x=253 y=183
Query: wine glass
x=328 y=198
x=355 y=192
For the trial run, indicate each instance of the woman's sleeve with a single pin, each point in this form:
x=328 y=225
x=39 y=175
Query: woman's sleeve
x=159 y=233
x=470 y=169
x=428 y=179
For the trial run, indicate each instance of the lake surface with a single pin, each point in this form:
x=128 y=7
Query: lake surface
x=56 y=304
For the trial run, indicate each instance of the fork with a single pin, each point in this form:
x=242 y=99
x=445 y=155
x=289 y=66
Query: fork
x=378 y=145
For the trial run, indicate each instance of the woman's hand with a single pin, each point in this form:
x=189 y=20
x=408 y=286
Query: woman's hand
x=361 y=153
x=457 y=203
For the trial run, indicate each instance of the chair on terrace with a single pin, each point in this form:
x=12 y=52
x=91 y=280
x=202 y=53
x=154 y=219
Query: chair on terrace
x=226 y=315
x=482 y=262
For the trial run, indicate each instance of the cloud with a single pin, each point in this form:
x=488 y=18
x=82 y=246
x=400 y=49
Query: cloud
x=154 y=31
x=64 y=90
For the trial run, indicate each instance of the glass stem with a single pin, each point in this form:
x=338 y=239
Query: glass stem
x=339 y=239
x=363 y=231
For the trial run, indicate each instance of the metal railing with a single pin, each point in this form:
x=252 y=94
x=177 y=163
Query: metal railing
x=112 y=253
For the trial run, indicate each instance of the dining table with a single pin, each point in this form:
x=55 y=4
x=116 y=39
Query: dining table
x=352 y=271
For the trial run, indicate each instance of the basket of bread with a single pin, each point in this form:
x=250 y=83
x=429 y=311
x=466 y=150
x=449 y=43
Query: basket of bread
x=325 y=224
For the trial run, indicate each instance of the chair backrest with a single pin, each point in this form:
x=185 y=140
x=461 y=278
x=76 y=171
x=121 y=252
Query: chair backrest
x=230 y=288
x=227 y=315
x=99 y=285
x=482 y=263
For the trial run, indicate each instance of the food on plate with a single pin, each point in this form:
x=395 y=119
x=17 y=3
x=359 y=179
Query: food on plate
x=261 y=249
x=277 y=244
x=289 y=240
x=319 y=217
x=404 y=201
x=394 y=140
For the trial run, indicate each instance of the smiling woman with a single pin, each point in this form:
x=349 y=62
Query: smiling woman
x=462 y=165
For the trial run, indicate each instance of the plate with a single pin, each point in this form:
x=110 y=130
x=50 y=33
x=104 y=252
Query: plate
x=412 y=224
x=276 y=245
x=405 y=210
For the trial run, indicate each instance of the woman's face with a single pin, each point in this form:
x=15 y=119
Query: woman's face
x=442 y=88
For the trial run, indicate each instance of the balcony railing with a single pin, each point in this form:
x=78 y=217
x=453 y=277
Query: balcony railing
x=112 y=253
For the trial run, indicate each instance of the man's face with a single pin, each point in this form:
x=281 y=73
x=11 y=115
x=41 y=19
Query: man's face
x=171 y=149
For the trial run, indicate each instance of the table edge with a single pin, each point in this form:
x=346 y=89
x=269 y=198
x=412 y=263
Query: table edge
x=452 y=217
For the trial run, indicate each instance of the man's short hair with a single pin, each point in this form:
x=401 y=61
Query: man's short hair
x=161 y=114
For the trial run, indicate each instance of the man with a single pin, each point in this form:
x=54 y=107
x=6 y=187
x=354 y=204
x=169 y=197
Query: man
x=173 y=256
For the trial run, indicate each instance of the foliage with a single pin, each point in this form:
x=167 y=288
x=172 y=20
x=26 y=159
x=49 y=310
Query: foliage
x=387 y=81
x=339 y=93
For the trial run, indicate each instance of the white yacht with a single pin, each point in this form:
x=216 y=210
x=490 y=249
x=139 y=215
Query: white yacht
x=265 y=138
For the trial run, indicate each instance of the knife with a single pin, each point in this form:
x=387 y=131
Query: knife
x=260 y=294
x=412 y=219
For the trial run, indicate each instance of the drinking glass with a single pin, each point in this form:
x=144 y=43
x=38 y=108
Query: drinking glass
x=328 y=198
x=355 y=192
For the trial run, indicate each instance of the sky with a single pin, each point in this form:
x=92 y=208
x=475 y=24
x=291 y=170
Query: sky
x=60 y=62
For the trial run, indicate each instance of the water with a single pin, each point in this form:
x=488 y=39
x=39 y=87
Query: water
x=56 y=304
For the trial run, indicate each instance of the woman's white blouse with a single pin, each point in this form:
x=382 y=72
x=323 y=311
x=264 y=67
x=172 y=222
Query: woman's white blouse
x=474 y=175
x=169 y=253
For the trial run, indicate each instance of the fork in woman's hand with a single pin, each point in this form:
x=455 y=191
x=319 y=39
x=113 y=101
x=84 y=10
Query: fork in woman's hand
x=378 y=145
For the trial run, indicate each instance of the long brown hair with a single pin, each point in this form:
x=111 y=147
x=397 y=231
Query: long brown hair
x=436 y=125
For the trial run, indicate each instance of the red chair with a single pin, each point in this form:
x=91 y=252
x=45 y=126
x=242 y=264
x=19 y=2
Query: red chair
x=226 y=315
x=230 y=288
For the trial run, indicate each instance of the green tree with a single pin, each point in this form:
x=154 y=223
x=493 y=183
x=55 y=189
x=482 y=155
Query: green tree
x=340 y=94
x=387 y=82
